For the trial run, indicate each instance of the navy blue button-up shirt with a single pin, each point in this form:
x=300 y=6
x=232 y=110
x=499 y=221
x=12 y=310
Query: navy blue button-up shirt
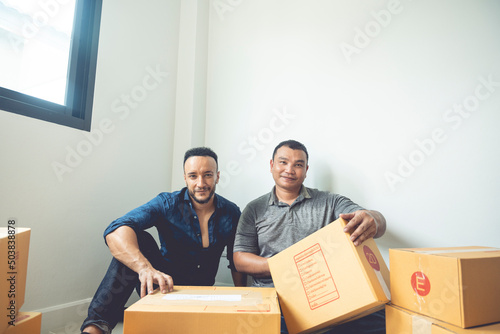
x=179 y=233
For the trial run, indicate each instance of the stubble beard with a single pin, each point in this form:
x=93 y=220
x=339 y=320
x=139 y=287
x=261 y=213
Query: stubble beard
x=202 y=201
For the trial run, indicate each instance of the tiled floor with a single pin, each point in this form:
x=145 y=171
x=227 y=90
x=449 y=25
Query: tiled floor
x=118 y=329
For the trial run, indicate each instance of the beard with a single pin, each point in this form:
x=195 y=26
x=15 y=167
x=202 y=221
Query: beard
x=192 y=194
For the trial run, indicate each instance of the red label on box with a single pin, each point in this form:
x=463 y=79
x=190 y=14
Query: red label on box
x=316 y=277
x=372 y=259
x=420 y=283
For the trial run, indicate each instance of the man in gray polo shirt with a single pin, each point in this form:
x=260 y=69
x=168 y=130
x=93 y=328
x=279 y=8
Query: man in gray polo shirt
x=291 y=212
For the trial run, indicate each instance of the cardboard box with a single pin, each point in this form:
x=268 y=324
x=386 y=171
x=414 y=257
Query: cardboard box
x=324 y=280
x=208 y=310
x=458 y=285
x=401 y=321
x=26 y=323
x=14 y=248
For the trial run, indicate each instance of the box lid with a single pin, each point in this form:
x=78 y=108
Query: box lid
x=192 y=299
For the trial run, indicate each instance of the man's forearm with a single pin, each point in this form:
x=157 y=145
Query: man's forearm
x=251 y=264
x=123 y=245
x=239 y=279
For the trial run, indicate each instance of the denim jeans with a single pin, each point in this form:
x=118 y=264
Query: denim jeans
x=107 y=306
x=371 y=324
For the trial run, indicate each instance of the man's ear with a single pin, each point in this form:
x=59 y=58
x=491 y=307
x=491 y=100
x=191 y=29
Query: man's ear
x=218 y=177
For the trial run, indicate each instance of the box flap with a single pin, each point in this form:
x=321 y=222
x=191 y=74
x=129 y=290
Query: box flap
x=458 y=252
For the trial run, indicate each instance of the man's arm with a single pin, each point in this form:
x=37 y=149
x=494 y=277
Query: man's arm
x=123 y=245
x=364 y=224
x=251 y=264
x=239 y=279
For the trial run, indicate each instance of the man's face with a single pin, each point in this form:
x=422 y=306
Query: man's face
x=201 y=176
x=289 y=168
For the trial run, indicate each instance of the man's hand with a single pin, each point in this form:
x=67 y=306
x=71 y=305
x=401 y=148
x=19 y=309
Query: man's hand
x=150 y=276
x=124 y=247
x=363 y=225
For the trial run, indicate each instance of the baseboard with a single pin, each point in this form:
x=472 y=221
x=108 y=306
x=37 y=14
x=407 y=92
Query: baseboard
x=64 y=318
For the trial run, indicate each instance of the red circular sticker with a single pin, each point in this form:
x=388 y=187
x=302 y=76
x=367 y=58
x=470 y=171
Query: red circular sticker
x=420 y=283
x=372 y=259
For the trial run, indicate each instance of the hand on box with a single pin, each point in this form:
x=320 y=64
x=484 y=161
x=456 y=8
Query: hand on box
x=363 y=225
x=150 y=276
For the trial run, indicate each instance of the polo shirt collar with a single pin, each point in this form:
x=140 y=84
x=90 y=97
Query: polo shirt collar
x=303 y=194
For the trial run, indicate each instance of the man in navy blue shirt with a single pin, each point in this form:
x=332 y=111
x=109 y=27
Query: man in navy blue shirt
x=194 y=226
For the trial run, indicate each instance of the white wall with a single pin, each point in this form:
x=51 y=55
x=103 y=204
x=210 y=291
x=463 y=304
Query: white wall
x=274 y=70
x=359 y=111
x=128 y=166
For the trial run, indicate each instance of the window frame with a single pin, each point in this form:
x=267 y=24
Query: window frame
x=77 y=111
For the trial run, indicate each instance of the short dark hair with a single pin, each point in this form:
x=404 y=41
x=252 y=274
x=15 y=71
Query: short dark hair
x=294 y=145
x=200 y=152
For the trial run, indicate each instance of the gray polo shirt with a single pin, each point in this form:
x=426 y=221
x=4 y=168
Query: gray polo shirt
x=268 y=226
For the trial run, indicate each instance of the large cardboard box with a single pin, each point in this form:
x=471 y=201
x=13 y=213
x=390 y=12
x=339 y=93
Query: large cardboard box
x=458 y=285
x=324 y=280
x=14 y=248
x=26 y=323
x=208 y=310
x=402 y=321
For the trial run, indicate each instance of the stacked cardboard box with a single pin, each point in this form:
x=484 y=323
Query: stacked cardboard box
x=324 y=280
x=209 y=310
x=457 y=286
x=26 y=323
x=14 y=250
x=402 y=321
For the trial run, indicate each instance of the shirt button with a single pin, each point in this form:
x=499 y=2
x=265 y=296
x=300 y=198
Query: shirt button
x=199 y=266
x=195 y=217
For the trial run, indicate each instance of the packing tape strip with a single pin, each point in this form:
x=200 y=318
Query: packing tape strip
x=383 y=284
x=445 y=251
x=375 y=264
x=420 y=325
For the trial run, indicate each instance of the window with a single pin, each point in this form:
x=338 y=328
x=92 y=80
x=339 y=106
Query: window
x=48 y=54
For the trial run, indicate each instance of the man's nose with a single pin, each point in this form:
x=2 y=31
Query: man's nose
x=289 y=169
x=200 y=181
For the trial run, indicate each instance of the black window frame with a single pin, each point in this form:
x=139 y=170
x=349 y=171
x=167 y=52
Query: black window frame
x=77 y=111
